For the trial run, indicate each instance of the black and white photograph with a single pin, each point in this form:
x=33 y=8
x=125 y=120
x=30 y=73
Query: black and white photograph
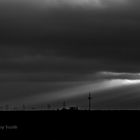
x=68 y=56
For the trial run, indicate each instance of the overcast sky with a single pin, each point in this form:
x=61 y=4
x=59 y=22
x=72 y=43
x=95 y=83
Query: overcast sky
x=49 y=48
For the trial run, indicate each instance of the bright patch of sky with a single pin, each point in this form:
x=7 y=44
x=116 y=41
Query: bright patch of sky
x=82 y=3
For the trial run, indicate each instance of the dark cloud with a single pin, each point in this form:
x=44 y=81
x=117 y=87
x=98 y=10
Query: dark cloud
x=40 y=44
x=108 y=34
x=86 y=33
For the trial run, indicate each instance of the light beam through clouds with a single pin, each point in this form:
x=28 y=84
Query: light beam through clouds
x=83 y=88
x=94 y=88
x=103 y=39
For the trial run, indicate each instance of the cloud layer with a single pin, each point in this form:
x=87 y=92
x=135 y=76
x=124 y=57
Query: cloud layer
x=56 y=49
x=70 y=3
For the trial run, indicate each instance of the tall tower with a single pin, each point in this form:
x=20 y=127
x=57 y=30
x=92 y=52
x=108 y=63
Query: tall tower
x=64 y=105
x=89 y=102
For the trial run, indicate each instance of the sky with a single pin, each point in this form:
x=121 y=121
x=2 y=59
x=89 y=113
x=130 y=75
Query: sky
x=55 y=50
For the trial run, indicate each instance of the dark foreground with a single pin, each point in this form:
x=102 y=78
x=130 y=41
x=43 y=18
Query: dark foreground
x=57 y=123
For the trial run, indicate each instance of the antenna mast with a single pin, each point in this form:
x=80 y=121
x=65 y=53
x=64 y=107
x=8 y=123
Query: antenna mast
x=89 y=102
x=64 y=105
